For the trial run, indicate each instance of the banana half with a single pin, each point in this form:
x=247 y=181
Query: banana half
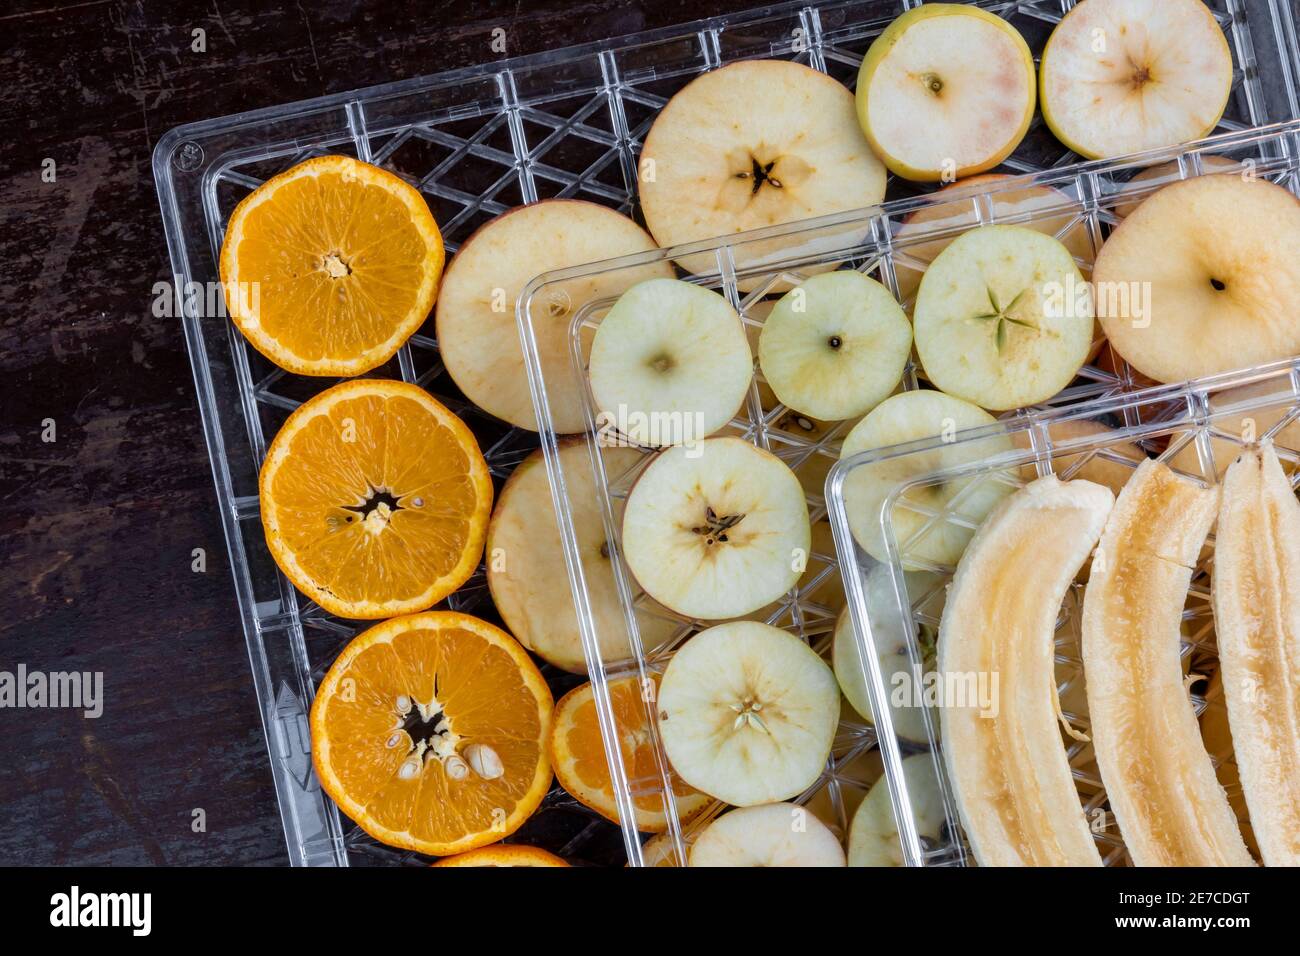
x=1006 y=762
x=1257 y=618
x=1161 y=784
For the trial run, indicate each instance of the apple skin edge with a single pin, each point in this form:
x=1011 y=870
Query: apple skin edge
x=1056 y=128
x=882 y=46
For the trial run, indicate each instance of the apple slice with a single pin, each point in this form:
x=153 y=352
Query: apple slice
x=873 y=835
x=1121 y=76
x=1211 y=165
x=1003 y=318
x=913 y=255
x=526 y=572
x=836 y=346
x=788 y=148
x=924 y=540
x=946 y=91
x=670 y=363
x=891 y=643
x=1203 y=277
x=747 y=713
x=478 y=337
x=774 y=834
x=717 y=529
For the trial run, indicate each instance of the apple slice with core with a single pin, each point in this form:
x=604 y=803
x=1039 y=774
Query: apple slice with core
x=526 y=572
x=1067 y=224
x=1003 y=318
x=747 y=713
x=788 y=148
x=835 y=346
x=1121 y=76
x=945 y=92
x=478 y=337
x=923 y=539
x=716 y=530
x=1203 y=277
x=670 y=363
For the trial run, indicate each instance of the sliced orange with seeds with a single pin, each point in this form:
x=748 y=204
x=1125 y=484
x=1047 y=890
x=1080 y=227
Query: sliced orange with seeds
x=330 y=266
x=503 y=855
x=375 y=499
x=430 y=732
x=578 y=755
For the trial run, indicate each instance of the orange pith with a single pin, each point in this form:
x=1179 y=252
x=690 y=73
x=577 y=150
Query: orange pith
x=330 y=266
x=503 y=855
x=375 y=499
x=578 y=755
x=405 y=706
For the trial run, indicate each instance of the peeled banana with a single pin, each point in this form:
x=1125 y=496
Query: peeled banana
x=1006 y=763
x=1257 y=618
x=1161 y=784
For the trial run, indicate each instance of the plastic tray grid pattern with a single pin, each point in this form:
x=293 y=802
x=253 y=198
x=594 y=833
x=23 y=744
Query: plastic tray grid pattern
x=476 y=142
x=1082 y=204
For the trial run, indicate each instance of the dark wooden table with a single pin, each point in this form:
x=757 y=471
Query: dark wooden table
x=99 y=525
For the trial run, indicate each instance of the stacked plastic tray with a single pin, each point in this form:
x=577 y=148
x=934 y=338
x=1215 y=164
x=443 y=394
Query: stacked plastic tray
x=569 y=124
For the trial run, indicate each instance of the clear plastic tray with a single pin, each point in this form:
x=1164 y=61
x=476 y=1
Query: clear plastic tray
x=881 y=243
x=1196 y=428
x=476 y=141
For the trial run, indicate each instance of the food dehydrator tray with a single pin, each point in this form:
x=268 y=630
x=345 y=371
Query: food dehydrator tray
x=1198 y=428
x=476 y=141
x=1080 y=207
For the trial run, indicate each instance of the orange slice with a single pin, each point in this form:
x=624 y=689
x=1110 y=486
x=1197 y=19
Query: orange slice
x=578 y=756
x=330 y=266
x=429 y=731
x=658 y=850
x=375 y=499
x=503 y=855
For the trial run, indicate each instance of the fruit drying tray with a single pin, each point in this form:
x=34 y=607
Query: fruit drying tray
x=1086 y=201
x=1197 y=428
x=477 y=141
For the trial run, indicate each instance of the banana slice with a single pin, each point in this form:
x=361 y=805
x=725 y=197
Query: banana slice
x=1170 y=807
x=873 y=835
x=1257 y=618
x=716 y=529
x=774 y=834
x=1008 y=769
x=747 y=713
